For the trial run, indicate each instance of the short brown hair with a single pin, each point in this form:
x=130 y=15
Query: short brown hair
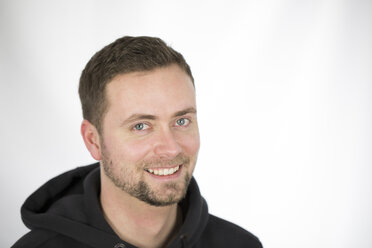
x=125 y=55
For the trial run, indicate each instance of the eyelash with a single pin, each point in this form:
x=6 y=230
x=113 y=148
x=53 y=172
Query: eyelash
x=144 y=124
x=188 y=121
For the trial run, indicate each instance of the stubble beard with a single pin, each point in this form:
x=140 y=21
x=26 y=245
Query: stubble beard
x=141 y=189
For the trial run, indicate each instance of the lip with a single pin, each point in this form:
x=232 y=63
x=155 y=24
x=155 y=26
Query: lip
x=165 y=167
x=167 y=177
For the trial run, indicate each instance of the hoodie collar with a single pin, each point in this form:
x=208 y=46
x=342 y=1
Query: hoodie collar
x=69 y=205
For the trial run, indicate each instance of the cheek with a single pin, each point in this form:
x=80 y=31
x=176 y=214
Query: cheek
x=190 y=144
x=127 y=151
x=135 y=151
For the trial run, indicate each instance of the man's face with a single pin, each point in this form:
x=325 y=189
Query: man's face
x=150 y=136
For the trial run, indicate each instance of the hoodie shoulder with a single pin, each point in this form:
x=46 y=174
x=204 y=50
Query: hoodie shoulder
x=222 y=233
x=56 y=210
x=36 y=238
x=40 y=238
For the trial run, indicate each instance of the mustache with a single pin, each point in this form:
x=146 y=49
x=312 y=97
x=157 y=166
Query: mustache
x=179 y=159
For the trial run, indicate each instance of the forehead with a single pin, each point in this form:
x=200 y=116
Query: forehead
x=161 y=91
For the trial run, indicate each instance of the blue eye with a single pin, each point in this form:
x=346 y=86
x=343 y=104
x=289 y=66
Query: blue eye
x=182 y=122
x=140 y=126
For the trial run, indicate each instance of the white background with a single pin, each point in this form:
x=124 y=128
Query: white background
x=284 y=98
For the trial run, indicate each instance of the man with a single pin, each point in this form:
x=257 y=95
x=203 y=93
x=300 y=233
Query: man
x=140 y=123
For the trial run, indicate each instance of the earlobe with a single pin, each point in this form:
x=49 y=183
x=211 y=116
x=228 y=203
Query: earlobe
x=91 y=139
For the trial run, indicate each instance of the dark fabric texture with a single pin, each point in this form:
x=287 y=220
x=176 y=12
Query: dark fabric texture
x=65 y=212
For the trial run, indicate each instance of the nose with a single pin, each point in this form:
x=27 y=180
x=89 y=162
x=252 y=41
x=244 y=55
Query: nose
x=166 y=146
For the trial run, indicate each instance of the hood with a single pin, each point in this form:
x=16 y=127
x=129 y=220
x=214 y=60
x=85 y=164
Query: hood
x=69 y=205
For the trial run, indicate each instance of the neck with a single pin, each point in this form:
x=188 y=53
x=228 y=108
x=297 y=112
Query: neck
x=135 y=221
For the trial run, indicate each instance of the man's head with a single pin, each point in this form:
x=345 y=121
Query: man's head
x=145 y=132
x=125 y=55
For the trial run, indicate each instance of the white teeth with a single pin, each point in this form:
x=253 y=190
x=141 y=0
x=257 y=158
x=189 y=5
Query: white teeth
x=164 y=172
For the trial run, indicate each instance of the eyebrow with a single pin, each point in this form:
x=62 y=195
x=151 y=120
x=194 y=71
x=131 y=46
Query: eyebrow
x=190 y=110
x=135 y=117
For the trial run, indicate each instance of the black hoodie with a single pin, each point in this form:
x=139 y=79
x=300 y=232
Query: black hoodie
x=66 y=212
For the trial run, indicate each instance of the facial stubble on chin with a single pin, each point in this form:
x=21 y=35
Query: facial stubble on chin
x=141 y=190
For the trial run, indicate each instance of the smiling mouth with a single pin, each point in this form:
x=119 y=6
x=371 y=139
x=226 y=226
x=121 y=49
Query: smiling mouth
x=164 y=172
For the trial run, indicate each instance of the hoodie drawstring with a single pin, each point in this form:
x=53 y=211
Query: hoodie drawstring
x=183 y=240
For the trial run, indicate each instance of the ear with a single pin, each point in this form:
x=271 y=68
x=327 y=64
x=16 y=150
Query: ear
x=91 y=139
